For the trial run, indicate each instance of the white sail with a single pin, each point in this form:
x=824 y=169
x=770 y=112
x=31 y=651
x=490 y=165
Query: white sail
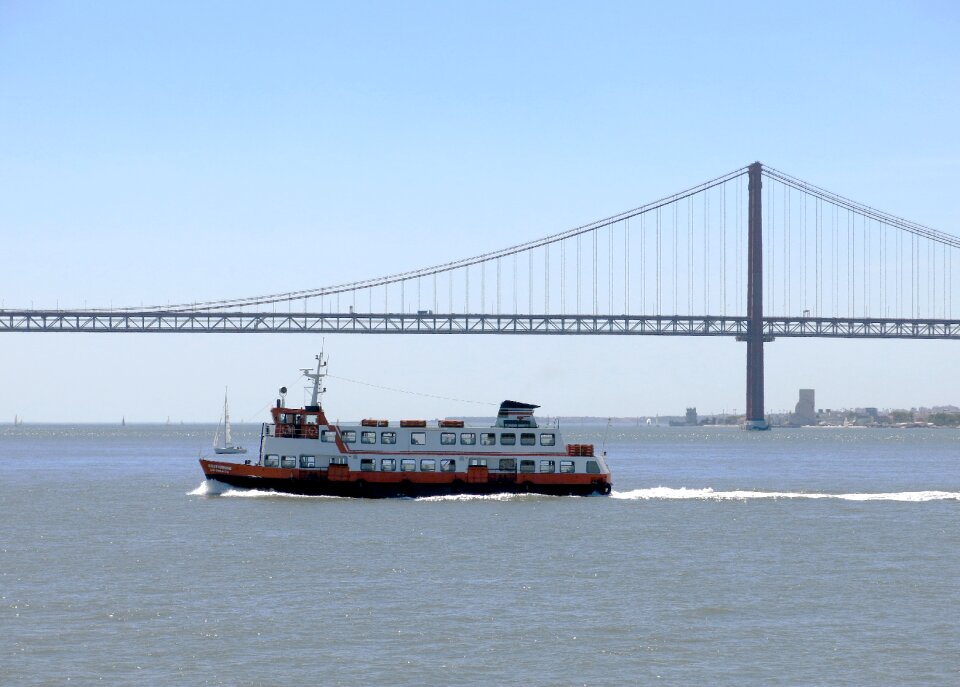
x=227 y=445
x=227 y=440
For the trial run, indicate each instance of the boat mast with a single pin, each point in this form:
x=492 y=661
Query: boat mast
x=317 y=376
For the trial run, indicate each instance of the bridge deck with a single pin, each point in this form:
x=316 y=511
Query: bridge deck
x=403 y=323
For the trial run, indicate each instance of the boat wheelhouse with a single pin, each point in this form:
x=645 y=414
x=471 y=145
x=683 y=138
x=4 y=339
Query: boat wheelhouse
x=301 y=452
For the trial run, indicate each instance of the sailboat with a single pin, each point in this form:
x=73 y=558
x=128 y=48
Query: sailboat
x=227 y=446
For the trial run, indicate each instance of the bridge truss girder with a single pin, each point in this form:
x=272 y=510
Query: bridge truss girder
x=64 y=321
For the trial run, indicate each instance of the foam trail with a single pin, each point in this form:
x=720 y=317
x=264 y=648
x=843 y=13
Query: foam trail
x=212 y=487
x=483 y=497
x=668 y=493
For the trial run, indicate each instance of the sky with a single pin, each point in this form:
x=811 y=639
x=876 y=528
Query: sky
x=181 y=151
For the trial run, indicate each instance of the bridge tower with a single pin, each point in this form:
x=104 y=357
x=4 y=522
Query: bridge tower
x=755 y=418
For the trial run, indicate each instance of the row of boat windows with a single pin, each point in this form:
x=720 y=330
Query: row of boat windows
x=349 y=436
x=433 y=465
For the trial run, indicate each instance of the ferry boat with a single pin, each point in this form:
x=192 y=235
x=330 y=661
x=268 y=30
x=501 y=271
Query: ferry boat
x=302 y=452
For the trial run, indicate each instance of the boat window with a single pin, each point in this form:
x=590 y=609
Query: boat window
x=478 y=462
x=349 y=436
x=528 y=465
x=418 y=438
x=271 y=461
x=329 y=436
x=468 y=438
x=566 y=466
x=548 y=466
x=488 y=439
x=283 y=418
x=593 y=467
x=528 y=439
x=388 y=464
x=447 y=438
x=388 y=437
x=338 y=460
x=308 y=461
x=508 y=464
x=548 y=439
x=428 y=465
x=288 y=462
x=311 y=420
x=408 y=465
x=368 y=437
x=508 y=438
x=448 y=465
x=367 y=464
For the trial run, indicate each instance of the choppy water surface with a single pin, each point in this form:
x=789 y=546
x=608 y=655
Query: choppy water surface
x=794 y=557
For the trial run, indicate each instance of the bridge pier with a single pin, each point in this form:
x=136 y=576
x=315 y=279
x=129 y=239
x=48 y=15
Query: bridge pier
x=755 y=418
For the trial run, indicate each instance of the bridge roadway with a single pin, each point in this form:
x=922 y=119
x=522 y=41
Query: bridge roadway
x=207 y=322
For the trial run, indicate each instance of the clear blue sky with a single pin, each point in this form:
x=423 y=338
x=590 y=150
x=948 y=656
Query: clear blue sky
x=184 y=151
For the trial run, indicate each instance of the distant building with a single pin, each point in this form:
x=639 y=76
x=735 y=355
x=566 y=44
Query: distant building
x=805 y=412
x=692 y=417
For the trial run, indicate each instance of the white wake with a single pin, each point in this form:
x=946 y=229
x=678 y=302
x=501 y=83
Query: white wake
x=482 y=497
x=212 y=487
x=669 y=493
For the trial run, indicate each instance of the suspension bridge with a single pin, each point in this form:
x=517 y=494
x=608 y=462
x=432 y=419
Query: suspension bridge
x=754 y=254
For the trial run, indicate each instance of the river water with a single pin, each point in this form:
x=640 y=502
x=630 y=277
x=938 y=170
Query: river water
x=793 y=557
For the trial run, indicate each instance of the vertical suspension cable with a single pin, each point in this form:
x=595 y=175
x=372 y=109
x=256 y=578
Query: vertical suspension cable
x=499 y=310
x=849 y=267
x=786 y=244
x=706 y=252
x=563 y=277
x=723 y=249
x=690 y=255
x=881 y=243
x=546 y=279
x=866 y=265
x=579 y=310
x=516 y=306
x=483 y=287
x=818 y=259
x=595 y=297
x=643 y=264
x=530 y=281
x=913 y=276
x=946 y=273
x=626 y=266
x=659 y=308
x=773 y=246
x=898 y=275
x=610 y=270
x=675 y=210
x=804 y=238
x=739 y=297
x=835 y=266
